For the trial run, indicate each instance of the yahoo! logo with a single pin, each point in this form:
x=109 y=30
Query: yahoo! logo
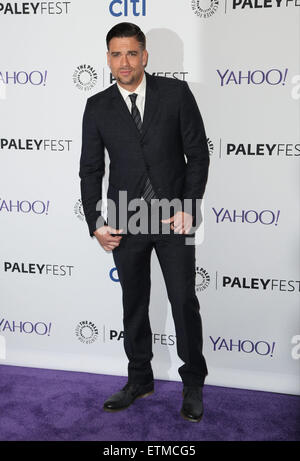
x=125 y=7
x=24 y=206
x=265 y=217
x=35 y=77
x=247 y=346
x=39 y=328
x=257 y=77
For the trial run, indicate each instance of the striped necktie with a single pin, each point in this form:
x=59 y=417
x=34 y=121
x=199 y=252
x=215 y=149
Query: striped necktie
x=148 y=193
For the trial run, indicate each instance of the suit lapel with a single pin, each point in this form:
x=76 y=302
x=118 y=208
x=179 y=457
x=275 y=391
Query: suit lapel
x=151 y=102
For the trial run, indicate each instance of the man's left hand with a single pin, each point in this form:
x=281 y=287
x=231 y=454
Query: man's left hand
x=181 y=222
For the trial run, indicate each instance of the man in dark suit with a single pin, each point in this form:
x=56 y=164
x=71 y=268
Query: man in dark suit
x=148 y=125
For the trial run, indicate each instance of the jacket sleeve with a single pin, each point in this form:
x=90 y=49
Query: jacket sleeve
x=92 y=169
x=195 y=148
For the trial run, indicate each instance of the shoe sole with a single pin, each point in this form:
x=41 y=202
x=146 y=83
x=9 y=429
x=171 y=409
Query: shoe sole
x=113 y=410
x=193 y=420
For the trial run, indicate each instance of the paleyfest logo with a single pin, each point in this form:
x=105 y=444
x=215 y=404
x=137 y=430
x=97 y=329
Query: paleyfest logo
x=258 y=4
x=261 y=150
x=32 y=144
x=204 y=8
x=34 y=8
x=163 y=339
x=268 y=150
x=259 y=283
x=37 y=268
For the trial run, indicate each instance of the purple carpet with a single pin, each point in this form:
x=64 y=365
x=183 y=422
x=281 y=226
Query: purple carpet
x=37 y=404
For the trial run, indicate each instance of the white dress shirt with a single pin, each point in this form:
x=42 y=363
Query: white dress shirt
x=141 y=94
x=140 y=100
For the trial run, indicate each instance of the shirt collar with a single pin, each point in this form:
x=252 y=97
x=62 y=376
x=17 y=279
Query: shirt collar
x=140 y=90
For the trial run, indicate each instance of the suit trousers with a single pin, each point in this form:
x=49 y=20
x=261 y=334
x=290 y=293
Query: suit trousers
x=177 y=261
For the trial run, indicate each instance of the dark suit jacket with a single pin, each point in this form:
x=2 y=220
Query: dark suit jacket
x=172 y=127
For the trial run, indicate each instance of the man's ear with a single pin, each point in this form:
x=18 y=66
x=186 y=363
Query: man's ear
x=108 y=58
x=145 y=58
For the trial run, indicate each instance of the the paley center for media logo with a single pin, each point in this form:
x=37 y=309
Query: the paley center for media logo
x=86 y=332
x=85 y=77
x=203 y=8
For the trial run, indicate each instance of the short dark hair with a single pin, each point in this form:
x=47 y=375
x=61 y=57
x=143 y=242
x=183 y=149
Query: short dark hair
x=126 y=29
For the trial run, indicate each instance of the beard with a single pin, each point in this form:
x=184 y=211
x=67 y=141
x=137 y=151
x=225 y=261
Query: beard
x=132 y=79
x=129 y=81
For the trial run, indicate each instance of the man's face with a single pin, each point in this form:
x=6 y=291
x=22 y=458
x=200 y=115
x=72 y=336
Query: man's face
x=127 y=61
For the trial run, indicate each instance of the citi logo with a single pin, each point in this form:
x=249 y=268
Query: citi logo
x=113 y=274
x=127 y=7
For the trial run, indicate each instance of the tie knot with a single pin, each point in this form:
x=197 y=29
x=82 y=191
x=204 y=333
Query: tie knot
x=133 y=97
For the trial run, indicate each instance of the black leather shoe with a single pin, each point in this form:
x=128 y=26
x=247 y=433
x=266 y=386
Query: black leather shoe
x=192 y=406
x=127 y=396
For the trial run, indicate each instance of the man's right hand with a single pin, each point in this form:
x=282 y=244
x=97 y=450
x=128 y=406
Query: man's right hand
x=106 y=240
